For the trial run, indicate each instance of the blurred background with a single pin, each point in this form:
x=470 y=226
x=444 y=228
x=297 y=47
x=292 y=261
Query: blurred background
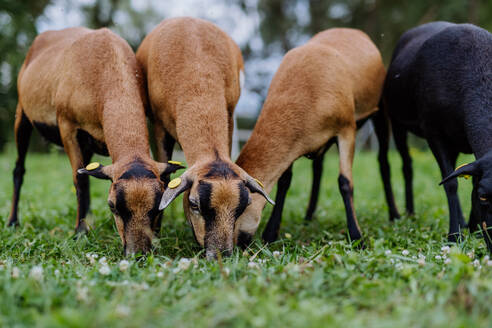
x=264 y=29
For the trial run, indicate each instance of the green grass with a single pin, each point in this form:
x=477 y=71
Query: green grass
x=314 y=278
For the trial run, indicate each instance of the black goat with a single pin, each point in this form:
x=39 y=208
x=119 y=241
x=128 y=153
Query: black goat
x=439 y=87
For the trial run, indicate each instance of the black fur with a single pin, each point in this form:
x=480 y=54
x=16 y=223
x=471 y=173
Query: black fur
x=121 y=207
x=243 y=201
x=270 y=234
x=347 y=195
x=49 y=132
x=23 y=135
x=138 y=171
x=220 y=169
x=86 y=141
x=244 y=239
x=439 y=87
x=204 y=192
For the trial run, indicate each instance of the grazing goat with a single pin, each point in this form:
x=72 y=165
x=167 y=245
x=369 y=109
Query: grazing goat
x=193 y=78
x=82 y=89
x=438 y=87
x=319 y=92
x=381 y=127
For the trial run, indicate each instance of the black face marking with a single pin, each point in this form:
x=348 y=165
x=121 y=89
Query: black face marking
x=154 y=211
x=220 y=169
x=86 y=141
x=138 y=170
x=243 y=200
x=121 y=208
x=244 y=239
x=49 y=132
x=204 y=192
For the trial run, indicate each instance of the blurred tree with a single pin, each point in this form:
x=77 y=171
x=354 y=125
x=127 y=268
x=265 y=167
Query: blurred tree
x=282 y=23
x=18 y=29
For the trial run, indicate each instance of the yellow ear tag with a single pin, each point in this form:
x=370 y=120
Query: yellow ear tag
x=175 y=163
x=92 y=166
x=259 y=182
x=466 y=176
x=174 y=183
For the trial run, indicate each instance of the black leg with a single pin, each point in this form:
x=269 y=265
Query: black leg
x=381 y=127
x=82 y=187
x=270 y=234
x=23 y=130
x=168 y=143
x=475 y=217
x=347 y=194
x=446 y=158
x=317 y=173
x=346 y=146
x=400 y=136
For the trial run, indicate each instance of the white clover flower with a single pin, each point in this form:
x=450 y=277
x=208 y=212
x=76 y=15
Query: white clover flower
x=447 y=261
x=438 y=257
x=104 y=270
x=276 y=254
x=387 y=252
x=489 y=263
x=288 y=235
x=445 y=249
x=226 y=272
x=124 y=265
x=471 y=254
x=91 y=258
x=15 y=272
x=36 y=273
x=160 y=274
x=122 y=310
x=176 y=270
x=485 y=259
x=103 y=261
x=184 y=263
x=399 y=266
x=476 y=263
x=421 y=261
x=405 y=252
x=421 y=256
x=253 y=265
x=82 y=294
x=57 y=272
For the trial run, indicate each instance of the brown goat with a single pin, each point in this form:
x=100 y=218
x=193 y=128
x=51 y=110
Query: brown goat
x=319 y=92
x=193 y=77
x=82 y=89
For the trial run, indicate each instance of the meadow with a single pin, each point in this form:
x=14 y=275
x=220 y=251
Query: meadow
x=408 y=276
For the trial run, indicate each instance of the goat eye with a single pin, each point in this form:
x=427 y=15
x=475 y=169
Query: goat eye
x=194 y=206
x=111 y=206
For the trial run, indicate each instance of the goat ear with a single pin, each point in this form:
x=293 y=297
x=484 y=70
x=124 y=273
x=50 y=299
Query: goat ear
x=174 y=188
x=256 y=186
x=97 y=171
x=463 y=171
x=165 y=169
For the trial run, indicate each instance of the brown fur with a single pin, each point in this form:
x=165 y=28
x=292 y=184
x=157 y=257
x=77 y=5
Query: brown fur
x=81 y=79
x=193 y=71
x=319 y=91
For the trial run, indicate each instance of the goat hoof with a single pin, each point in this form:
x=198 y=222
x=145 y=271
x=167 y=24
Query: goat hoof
x=455 y=237
x=359 y=244
x=269 y=237
x=81 y=230
x=13 y=223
